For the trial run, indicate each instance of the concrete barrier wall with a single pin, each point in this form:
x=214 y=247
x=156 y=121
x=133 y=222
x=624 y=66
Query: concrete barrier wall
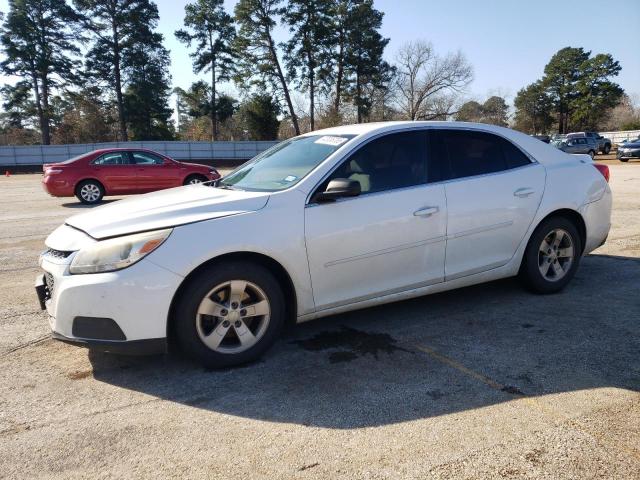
x=203 y=152
x=617 y=137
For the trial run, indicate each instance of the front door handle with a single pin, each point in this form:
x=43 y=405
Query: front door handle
x=426 y=211
x=523 y=192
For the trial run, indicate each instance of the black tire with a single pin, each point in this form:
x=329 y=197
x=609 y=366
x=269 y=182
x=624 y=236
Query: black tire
x=530 y=272
x=624 y=160
x=190 y=179
x=90 y=192
x=592 y=153
x=607 y=149
x=185 y=317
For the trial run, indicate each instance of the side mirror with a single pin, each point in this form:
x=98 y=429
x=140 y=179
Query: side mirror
x=339 y=188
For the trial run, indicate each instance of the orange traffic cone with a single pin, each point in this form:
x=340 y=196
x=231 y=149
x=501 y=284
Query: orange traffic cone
x=7 y=174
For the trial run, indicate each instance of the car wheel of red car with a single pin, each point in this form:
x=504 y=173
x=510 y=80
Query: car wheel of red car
x=90 y=192
x=195 y=179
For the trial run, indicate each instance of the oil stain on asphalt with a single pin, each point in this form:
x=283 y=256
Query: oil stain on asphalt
x=349 y=344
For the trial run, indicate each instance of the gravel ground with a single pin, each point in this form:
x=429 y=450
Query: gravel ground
x=485 y=382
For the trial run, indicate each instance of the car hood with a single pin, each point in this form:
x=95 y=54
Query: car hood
x=166 y=208
x=629 y=145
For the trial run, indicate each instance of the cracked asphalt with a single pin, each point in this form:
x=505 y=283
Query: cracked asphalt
x=485 y=382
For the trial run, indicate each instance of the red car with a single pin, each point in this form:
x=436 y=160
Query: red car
x=120 y=171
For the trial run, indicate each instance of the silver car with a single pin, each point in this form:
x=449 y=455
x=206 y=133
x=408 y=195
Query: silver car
x=578 y=145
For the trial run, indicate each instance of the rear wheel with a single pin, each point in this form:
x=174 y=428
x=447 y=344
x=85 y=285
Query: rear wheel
x=195 y=179
x=552 y=256
x=592 y=153
x=607 y=149
x=90 y=192
x=229 y=314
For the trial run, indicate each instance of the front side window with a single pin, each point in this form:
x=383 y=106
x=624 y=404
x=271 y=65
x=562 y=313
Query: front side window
x=145 y=158
x=463 y=153
x=285 y=164
x=113 y=158
x=397 y=160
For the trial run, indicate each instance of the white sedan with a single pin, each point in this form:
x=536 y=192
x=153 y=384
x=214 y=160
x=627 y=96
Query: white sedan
x=327 y=222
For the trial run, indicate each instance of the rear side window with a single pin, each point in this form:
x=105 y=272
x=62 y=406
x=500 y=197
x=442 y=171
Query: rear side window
x=463 y=153
x=513 y=155
x=113 y=158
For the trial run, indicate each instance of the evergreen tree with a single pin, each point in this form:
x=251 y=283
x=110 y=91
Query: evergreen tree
x=38 y=39
x=257 y=50
x=533 y=109
x=259 y=115
x=308 y=50
x=495 y=111
x=128 y=55
x=211 y=27
x=358 y=53
x=579 y=87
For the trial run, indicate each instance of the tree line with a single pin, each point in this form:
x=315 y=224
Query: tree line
x=97 y=70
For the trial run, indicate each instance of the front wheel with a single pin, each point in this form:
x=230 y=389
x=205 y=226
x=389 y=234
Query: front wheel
x=607 y=149
x=624 y=160
x=229 y=314
x=195 y=179
x=89 y=192
x=552 y=256
x=592 y=153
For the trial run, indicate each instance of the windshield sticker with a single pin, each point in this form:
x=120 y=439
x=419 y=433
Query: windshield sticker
x=290 y=178
x=329 y=140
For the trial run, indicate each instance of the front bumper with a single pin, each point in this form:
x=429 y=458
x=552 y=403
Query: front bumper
x=124 y=311
x=151 y=346
x=628 y=155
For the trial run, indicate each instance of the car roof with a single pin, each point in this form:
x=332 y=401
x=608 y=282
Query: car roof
x=122 y=149
x=541 y=151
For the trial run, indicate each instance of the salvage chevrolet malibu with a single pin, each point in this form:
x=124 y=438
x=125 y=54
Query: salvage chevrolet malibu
x=327 y=222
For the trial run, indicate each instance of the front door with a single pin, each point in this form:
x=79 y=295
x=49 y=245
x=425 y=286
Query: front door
x=154 y=172
x=390 y=238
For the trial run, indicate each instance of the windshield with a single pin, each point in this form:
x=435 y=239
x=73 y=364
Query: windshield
x=285 y=164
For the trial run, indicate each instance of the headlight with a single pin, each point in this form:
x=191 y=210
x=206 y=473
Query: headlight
x=117 y=253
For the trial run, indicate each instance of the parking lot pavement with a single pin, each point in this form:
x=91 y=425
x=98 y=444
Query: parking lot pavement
x=488 y=381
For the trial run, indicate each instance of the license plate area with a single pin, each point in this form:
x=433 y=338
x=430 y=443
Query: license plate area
x=44 y=288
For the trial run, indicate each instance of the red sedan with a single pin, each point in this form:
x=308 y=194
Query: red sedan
x=120 y=171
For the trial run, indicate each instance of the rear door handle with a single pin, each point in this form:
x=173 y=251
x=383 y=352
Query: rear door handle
x=523 y=192
x=426 y=212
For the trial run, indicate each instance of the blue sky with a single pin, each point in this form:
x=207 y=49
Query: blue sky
x=507 y=42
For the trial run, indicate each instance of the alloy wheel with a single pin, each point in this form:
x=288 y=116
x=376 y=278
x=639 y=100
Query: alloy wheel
x=90 y=192
x=233 y=317
x=555 y=255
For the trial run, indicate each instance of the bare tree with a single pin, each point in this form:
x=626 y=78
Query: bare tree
x=427 y=84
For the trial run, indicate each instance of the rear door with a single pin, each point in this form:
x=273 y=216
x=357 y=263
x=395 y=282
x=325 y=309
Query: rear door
x=154 y=172
x=115 y=172
x=493 y=191
x=388 y=239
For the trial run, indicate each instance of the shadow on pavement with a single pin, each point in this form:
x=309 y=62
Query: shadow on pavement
x=423 y=357
x=82 y=205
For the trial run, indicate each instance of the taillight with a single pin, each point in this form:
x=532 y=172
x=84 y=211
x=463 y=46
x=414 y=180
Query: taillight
x=603 y=169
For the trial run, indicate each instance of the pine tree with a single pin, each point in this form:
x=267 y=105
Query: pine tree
x=357 y=64
x=257 y=50
x=365 y=67
x=211 y=27
x=308 y=52
x=128 y=55
x=39 y=43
